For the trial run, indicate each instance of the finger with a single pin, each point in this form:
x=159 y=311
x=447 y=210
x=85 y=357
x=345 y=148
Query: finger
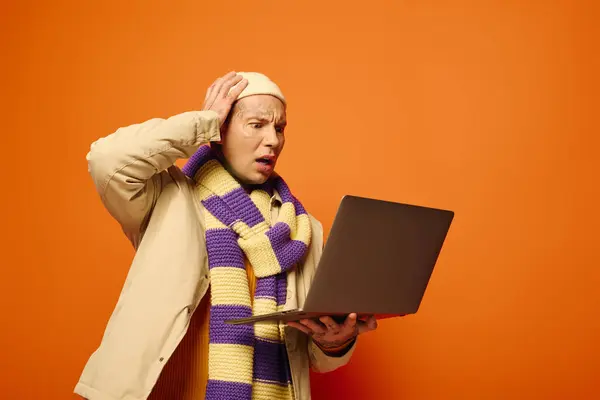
x=367 y=326
x=211 y=92
x=315 y=327
x=300 y=327
x=330 y=324
x=211 y=95
x=227 y=85
x=229 y=75
x=239 y=88
x=215 y=91
x=350 y=322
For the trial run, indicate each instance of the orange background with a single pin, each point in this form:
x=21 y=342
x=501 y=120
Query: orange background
x=482 y=107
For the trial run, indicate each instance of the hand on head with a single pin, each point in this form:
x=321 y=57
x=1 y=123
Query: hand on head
x=220 y=96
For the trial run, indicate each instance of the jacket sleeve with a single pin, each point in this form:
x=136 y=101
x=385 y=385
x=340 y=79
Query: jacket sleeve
x=126 y=165
x=320 y=361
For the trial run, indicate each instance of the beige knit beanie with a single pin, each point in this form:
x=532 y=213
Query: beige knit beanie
x=260 y=84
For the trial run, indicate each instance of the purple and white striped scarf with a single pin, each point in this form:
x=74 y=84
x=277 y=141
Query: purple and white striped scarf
x=245 y=361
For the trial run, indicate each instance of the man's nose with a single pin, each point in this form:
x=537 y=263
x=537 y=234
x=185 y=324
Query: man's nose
x=271 y=138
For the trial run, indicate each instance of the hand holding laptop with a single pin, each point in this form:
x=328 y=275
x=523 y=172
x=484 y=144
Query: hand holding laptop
x=329 y=334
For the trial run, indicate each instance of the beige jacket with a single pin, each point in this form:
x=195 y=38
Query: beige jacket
x=134 y=172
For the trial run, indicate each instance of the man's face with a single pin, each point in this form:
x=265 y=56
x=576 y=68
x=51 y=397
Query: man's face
x=253 y=138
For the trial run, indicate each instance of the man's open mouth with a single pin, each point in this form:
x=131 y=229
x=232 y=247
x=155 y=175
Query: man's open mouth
x=266 y=160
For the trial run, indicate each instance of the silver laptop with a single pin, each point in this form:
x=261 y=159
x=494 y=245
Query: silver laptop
x=377 y=261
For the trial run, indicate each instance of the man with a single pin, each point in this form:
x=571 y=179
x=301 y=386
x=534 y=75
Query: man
x=223 y=238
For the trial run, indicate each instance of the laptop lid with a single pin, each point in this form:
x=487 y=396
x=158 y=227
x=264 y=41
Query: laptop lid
x=379 y=257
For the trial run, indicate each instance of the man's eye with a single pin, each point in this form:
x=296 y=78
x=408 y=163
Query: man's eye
x=279 y=129
x=256 y=125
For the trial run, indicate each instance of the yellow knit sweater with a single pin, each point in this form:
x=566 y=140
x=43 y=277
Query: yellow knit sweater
x=185 y=376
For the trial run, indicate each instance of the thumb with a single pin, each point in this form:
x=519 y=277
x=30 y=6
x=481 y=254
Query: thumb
x=350 y=322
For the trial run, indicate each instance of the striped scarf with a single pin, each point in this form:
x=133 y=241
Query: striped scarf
x=247 y=361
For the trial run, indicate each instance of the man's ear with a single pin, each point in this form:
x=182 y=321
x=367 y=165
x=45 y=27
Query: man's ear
x=223 y=131
x=225 y=125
